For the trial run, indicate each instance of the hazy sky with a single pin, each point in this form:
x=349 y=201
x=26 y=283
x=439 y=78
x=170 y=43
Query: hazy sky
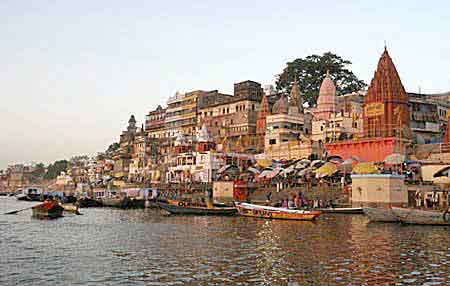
x=72 y=72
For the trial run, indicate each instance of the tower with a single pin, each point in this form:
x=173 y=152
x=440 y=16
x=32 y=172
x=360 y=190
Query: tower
x=386 y=111
x=326 y=102
x=295 y=99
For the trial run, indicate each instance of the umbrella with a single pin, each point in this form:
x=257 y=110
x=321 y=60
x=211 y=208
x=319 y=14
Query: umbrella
x=303 y=172
x=394 y=159
x=442 y=181
x=345 y=167
x=365 y=168
x=335 y=159
x=442 y=172
x=265 y=162
x=327 y=169
x=254 y=170
x=317 y=163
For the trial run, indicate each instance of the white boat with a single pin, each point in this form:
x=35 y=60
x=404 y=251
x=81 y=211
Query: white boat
x=29 y=194
x=341 y=210
x=424 y=217
x=380 y=214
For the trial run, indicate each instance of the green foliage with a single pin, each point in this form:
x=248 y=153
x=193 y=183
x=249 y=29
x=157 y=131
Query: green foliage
x=113 y=147
x=38 y=173
x=53 y=170
x=311 y=71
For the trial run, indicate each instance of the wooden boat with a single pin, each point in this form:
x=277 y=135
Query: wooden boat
x=193 y=204
x=342 y=210
x=192 y=210
x=252 y=210
x=70 y=208
x=424 y=217
x=86 y=202
x=53 y=210
x=380 y=215
x=112 y=202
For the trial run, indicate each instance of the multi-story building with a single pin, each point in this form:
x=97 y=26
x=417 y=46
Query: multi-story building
x=195 y=161
x=122 y=156
x=428 y=117
x=154 y=122
x=181 y=114
x=232 y=121
x=139 y=170
x=286 y=135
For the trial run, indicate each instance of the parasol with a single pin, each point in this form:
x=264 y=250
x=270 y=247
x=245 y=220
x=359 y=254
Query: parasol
x=365 y=168
x=394 y=159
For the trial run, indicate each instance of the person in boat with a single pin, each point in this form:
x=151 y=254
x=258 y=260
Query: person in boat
x=291 y=204
x=297 y=202
x=284 y=204
x=49 y=202
x=269 y=197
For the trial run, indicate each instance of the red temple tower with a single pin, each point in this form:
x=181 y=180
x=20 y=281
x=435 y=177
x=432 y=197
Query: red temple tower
x=386 y=111
x=263 y=112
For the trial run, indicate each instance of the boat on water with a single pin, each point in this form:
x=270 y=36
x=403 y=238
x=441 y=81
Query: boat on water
x=341 y=210
x=423 y=217
x=193 y=204
x=48 y=210
x=29 y=194
x=251 y=210
x=194 y=210
x=71 y=208
x=380 y=214
x=86 y=202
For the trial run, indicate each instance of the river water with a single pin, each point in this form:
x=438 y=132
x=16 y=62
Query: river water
x=146 y=247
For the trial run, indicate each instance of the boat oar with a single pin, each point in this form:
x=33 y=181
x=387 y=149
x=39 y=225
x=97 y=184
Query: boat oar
x=16 y=211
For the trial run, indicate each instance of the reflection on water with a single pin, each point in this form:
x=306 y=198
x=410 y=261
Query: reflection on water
x=136 y=247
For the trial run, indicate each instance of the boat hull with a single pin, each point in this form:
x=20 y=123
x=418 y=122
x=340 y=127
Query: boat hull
x=413 y=216
x=41 y=212
x=380 y=215
x=341 y=210
x=275 y=213
x=174 y=209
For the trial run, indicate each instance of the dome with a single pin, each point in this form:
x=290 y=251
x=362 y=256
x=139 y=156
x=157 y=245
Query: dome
x=179 y=140
x=281 y=106
x=326 y=103
x=203 y=134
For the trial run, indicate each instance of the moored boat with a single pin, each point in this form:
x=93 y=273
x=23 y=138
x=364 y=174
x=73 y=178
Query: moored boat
x=70 y=208
x=29 y=194
x=48 y=210
x=251 y=210
x=342 y=210
x=380 y=214
x=424 y=217
x=193 y=210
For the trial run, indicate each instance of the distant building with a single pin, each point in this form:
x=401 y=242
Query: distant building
x=232 y=121
x=286 y=135
x=336 y=118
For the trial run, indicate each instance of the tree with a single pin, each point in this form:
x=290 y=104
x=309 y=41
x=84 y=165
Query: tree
x=311 y=71
x=38 y=173
x=113 y=147
x=53 y=170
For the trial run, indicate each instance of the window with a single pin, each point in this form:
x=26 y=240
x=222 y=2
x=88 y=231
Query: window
x=253 y=107
x=272 y=141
